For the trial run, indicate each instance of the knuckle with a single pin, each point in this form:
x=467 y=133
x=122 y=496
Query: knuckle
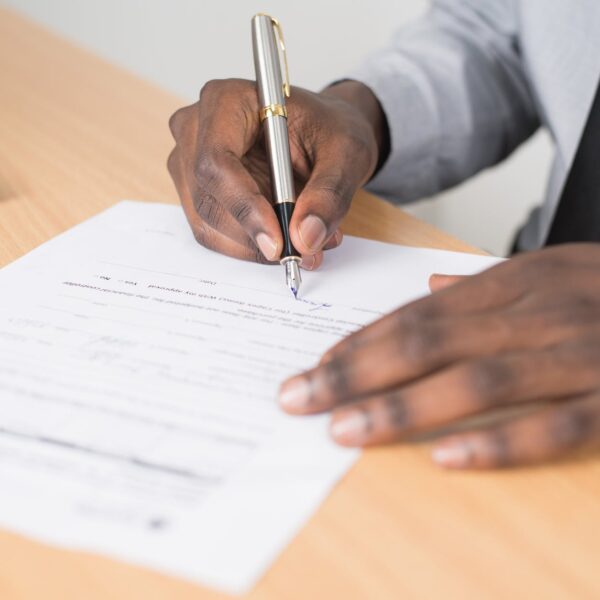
x=209 y=208
x=337 y=378
x=569 y=427
x=172 y=163
x=206 y=169
x=416 y=314
x=177 y=121
x=235 y=90
x=577 y=310
x=499 y=452
x=490 y=379
x=542 y=265
x=211 y=88
x=396 y=410
x=242 y=211
x=420 y=342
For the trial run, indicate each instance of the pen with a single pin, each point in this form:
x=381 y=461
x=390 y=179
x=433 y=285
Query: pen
x=267 y=40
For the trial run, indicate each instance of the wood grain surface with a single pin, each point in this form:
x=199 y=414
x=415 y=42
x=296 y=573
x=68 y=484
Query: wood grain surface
x=77 y=135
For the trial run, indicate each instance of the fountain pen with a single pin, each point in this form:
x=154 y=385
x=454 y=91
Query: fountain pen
x=273 y=87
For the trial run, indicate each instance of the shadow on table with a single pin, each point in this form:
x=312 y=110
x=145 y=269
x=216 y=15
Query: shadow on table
x=7 y=191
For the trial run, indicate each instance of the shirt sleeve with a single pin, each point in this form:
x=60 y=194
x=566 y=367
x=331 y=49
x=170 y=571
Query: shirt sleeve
x=455 y=92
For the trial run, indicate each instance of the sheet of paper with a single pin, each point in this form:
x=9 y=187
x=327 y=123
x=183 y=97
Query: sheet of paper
x=138 y=375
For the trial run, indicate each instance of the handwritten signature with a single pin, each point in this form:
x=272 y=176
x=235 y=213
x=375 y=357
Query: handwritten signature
x=315 y=305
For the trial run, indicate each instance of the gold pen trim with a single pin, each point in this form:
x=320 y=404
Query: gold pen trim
x=273 y=110
x=286 y=71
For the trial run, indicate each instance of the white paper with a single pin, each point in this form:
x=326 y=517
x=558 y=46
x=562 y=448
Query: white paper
x=138 y=379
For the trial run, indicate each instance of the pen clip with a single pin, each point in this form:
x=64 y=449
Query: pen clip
x=286 y=73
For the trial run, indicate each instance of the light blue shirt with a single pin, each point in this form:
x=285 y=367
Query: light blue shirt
x=467 y=83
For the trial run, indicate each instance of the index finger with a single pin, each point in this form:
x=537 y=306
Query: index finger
x=228 y=129
x=472 y=295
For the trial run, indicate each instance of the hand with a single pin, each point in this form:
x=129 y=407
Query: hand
x=525 y=331
x=221 y=172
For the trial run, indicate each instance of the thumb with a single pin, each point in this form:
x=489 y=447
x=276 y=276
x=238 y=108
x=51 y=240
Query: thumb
x=438 y=281
x=320 y=207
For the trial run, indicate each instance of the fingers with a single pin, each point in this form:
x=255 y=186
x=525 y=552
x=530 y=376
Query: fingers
x=221 y=173
x=482 y=343
x=548 y=434
x=231 y=240
x=312 y=261
x=407 y=350
x=505 y=287
x=438 y=281
x=225 y=189
x=227 y=241
x=228 y=128
x=334 y=241
x=233 y=243
x=474 y=295
x=466 y=389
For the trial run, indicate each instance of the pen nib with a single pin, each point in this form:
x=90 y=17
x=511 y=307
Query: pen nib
x=292 y=276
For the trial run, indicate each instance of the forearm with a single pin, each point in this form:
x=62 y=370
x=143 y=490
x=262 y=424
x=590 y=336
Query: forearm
x=455 y=94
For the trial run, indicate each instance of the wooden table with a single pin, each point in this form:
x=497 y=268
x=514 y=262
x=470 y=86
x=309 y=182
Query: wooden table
x=77 y=135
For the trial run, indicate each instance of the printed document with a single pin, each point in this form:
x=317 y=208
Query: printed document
x=138 y=382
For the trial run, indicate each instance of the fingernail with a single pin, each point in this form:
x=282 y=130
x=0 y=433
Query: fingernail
x=308 y=262
x=334 y=241
x=294 y=394
x=312 y=232
x=267 y=246
x=455 y=455
x=350 y=428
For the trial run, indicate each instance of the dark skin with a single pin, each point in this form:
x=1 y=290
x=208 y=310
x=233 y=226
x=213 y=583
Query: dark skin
x=220 y=169
x=525 y=333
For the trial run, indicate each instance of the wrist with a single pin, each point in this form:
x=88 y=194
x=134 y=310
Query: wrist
x=362 y=99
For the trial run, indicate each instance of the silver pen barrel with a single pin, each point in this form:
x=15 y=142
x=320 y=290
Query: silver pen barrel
x=272 y=91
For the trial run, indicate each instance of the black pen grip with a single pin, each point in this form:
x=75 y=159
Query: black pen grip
x=284 y=211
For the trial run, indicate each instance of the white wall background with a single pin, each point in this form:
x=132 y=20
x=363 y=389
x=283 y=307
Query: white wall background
x=180 y=44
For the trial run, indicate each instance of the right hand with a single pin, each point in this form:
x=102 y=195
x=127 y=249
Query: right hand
x=220 y=168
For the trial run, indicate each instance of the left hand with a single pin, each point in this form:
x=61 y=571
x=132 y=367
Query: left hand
x=524 y=331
